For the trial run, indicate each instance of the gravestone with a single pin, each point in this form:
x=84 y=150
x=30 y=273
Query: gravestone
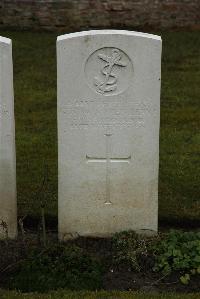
x=8 y=203
x=108 y=132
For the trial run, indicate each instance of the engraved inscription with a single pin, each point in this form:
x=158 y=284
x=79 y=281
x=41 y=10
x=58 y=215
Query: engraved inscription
x=3 y=110
x=109 y=71
x=84 y=114
x=108 y=160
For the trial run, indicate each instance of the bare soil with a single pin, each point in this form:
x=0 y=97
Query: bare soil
x=114 y=278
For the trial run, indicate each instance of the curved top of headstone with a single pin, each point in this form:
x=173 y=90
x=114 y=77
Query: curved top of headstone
x=5 y=40
x=108 y=31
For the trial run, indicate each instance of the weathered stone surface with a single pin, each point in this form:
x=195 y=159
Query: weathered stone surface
x=71 y=15
x=8 y=204
x=108 y=131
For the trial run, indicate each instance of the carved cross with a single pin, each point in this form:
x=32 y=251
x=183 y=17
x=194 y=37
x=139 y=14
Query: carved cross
x=108 y=160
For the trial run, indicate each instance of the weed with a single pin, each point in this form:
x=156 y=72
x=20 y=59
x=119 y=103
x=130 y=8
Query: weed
x=130 y=249
x=57 y=267
x=178 y=251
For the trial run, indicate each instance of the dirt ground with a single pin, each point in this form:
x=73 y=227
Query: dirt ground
x=115 y=277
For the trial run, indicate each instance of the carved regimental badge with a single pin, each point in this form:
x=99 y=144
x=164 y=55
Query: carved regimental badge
x=109 y=71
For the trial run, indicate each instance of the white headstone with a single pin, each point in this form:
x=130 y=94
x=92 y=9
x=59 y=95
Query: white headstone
x=108 y=132
x=8 y=203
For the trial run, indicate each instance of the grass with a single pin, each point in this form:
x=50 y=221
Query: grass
x=95 y=295
x=179 y=195
x=36 y=135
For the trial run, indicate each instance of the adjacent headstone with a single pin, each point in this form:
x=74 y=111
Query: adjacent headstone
x=8 y=204
x=108 y=132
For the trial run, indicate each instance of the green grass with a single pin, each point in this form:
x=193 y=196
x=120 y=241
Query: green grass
x=179 y=193
x=96 y=295
x=36 y=135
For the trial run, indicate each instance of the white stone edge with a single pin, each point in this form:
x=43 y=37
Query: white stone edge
x=5 y=40
x=108 y=31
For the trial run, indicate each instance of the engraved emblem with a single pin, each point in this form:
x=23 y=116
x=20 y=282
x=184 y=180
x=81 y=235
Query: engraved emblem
x=109 y=71
x=109 y=83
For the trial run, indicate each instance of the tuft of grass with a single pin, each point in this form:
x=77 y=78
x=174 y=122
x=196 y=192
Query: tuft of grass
x=36 y=131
